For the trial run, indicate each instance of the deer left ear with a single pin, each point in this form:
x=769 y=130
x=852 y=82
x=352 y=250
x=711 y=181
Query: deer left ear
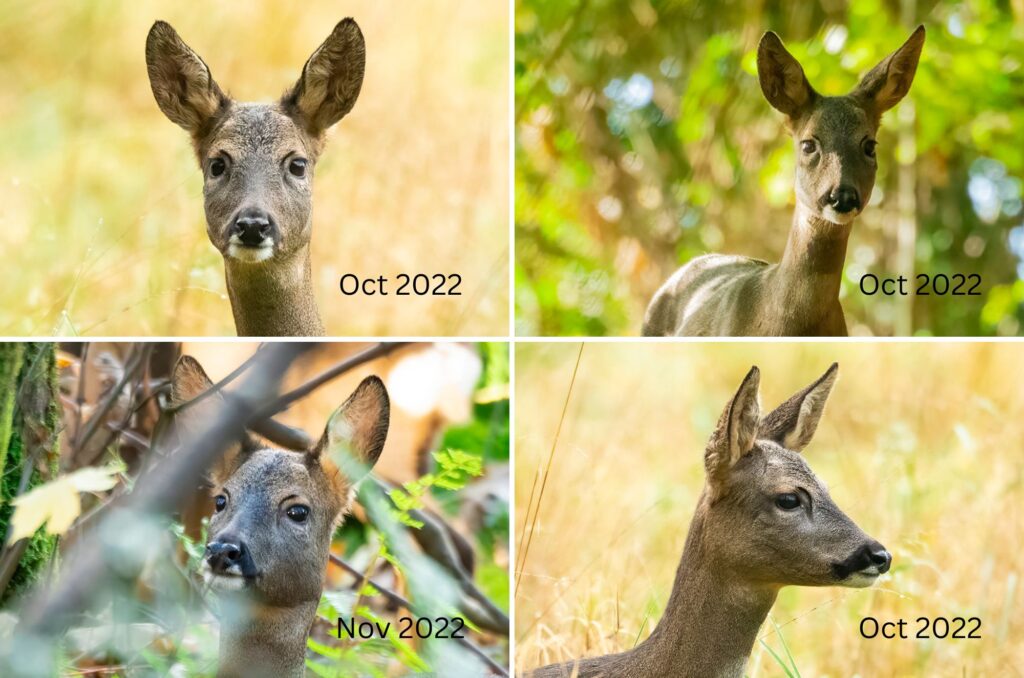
x=330 y=81
x=735 y=434
x=355 y=433
x=793 y=423
x=888 y=82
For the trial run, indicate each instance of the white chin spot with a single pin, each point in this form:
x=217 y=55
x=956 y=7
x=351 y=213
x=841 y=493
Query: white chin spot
x=250 y=255
x=224 y=582
x=860 y=580
x=841 y=218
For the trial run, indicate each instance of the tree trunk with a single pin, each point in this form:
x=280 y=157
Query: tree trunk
x=29 y=425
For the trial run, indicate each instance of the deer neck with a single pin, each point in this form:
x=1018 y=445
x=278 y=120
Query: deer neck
x=274 y=298
x=266 y=641
x=806 y=282
x=711 y=620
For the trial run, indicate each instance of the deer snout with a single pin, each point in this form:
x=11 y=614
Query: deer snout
x=844 y=199
x=253 y=228
x=879 y=557
x=226 y=557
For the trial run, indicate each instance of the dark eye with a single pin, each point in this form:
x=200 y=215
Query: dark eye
x=219 y=502
x=869 y=148
x=298 y=513
x=787 y=502
x=217 y=167
x=297 y=167
x=808 y=146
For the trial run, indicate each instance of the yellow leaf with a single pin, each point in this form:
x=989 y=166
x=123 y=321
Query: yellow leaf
x=57 y=504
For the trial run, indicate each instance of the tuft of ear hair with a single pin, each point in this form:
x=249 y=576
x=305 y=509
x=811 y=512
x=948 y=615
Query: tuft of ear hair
x=888 y=82
x=354 y=436
x=793 y=423
x=330 y=81
x=181 y=81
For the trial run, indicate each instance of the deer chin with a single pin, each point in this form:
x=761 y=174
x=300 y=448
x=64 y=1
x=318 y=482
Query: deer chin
x=861 y=580
x=226 y=581
x=249 y=254
x=841 y=218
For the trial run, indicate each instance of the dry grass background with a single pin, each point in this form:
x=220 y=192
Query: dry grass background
x=920 y=445
x=101 y=216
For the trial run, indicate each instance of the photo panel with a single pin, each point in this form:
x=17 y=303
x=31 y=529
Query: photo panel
x=209 y=508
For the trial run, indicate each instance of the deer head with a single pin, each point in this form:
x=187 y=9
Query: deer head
x=768 y=519
x=276 y=510
x=257 y=159
x=835 y=136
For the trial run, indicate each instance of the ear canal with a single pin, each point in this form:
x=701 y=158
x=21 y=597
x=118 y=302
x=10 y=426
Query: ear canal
x=355 y=433
x=736 y=431
x=888 y=82
x=782 y=78
x=181 y=81
x=330 y=81
x=793 y=423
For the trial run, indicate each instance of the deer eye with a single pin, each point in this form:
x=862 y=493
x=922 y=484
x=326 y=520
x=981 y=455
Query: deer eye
x=217 y=167
x=297 y=167
x=808 y=146
x=869 y=148
x=298 y=513
x=220 y=502
x=788 y=501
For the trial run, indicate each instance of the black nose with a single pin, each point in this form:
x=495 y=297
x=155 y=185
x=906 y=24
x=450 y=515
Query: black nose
x=844 y=199
x=221 y=555
x=253 y=227
x=880 y=558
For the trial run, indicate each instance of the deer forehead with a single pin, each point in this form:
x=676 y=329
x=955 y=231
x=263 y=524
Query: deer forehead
x=782 y=469
x=836 y=119
x=253 y=129
x=275 y=475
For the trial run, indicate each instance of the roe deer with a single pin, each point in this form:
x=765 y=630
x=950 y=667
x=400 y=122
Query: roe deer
x=729 y=295
x=763 y=521
x=275 y=513
x=257 y=162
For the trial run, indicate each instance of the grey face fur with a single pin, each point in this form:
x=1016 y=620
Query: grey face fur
x=257 y=159
x=276 y=510
x=759 y=487
x=835 y=136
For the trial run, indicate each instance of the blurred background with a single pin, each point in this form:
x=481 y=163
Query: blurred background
x=643 y=140
x=101 y=210
x=924 y=459
x=75 y=414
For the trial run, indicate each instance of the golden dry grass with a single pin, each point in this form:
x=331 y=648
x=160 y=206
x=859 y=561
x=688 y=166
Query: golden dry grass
x=101 y=215
x=920 y=445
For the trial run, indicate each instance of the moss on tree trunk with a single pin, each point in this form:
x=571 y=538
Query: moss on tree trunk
x=29 y=421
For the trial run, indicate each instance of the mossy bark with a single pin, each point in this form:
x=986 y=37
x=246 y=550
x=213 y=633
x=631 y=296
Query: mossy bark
x=29 y=420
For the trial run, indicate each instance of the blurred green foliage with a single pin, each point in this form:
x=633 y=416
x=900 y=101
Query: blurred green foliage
x=643 y=140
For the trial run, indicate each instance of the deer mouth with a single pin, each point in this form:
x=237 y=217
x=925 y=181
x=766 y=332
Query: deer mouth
x=836 y=217
x=228 y=581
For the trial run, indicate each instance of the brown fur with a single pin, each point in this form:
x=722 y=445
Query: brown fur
x=728 y=295
x=269 y=599
x=742 y=547
x=270 y=287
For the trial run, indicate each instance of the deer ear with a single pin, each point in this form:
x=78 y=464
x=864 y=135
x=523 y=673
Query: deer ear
x=188 y=382
x=330 y=80
x=181 y=81
x=355 y=433
x=736 y=431
x=888 y=82
x=793 y=423
x=782 y=78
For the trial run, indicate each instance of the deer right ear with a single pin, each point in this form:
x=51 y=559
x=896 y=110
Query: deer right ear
x=736 y=431
x=793 y=423
x=330 y=81
x=355 y=433
x=888 y=82
x=181 y=82
x=782 y=78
